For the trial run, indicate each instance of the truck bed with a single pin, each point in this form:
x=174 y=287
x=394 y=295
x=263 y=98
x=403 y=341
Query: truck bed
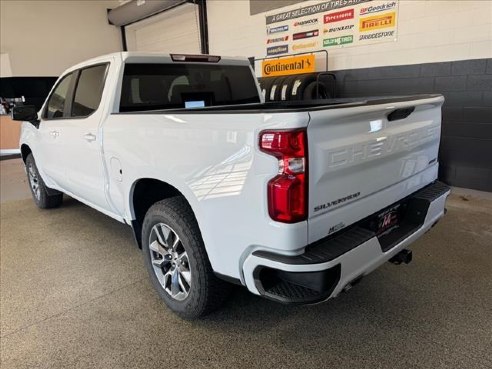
x=292 y=106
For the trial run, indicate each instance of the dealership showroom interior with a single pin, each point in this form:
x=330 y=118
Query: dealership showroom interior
x=246 y=184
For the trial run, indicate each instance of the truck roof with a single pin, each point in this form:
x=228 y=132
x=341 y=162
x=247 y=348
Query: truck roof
x=149 y=57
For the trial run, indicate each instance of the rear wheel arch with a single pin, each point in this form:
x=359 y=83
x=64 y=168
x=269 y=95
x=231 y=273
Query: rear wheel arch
x=144 y=193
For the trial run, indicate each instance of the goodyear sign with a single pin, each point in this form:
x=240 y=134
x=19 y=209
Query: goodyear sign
x=288 y=66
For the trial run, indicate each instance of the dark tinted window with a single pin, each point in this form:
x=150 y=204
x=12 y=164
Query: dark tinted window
x=89 y=90
x=57 y=100
x=167 y=86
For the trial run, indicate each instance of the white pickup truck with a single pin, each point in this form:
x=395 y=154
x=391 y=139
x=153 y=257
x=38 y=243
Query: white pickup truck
x=296 y=201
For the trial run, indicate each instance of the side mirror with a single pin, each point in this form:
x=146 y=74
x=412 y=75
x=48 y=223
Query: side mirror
x=25 y=113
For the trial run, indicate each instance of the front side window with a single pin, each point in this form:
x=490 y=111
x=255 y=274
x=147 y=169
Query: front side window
x=57 y=100
x=88 y=91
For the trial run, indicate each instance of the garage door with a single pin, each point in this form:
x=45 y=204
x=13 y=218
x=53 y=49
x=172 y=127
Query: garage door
x=174 y=31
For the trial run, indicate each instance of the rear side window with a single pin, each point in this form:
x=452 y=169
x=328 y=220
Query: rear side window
x=89 y=90
x=57 y=101
x=170 y=86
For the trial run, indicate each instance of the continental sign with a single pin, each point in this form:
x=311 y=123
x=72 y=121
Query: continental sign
x=377 y=22
x=288 y=66
x=337 y=41
x=306 y=45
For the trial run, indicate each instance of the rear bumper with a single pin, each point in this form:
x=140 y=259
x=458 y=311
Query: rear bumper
x=328 y=266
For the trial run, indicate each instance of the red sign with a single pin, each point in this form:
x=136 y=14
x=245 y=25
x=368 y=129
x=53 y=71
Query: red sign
x=339 y=16
x=298 y=36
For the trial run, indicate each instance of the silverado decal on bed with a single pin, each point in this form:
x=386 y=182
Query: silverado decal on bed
x=336 y=202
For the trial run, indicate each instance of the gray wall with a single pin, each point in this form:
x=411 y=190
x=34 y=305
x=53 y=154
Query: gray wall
x=43 y=38
x=466 y=143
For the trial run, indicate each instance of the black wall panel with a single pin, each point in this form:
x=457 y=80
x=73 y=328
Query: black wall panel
x=466 y=143
x=34 y=89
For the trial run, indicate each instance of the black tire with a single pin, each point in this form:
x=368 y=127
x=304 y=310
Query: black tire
x=265 y=85
x=316 y=90
x=44 y=197
x=206 y=291
x=300 y=84
x=286 y=89
x=276 y=89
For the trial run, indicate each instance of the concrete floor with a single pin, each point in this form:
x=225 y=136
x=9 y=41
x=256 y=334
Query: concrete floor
x=74 y=294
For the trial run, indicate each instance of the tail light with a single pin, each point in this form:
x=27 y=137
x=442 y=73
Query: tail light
x=287 y=192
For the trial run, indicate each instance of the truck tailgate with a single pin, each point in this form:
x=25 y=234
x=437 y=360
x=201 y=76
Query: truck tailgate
x=364 y=158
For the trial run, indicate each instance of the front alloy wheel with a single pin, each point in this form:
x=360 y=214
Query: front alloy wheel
x=43 y=196
x=33 y=180
x=170 y=261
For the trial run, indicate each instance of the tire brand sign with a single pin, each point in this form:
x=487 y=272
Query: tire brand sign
x=378 y=8
x=271 y=30
x=277 y=39
x=376 y=35
x=307 y=22
x=277 y=50
x=288 y=66
x=331 y=24
x=385 y=20
x=336 y=41
x=309 y=34
x=306 y=45
x=338 y=29
x=339 y=16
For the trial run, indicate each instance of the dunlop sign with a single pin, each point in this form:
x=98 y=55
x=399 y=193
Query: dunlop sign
x=288 y=66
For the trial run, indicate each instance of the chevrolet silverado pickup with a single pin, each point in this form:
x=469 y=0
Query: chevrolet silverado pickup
x=296 y=201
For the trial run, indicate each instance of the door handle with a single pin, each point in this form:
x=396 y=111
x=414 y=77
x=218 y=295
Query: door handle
x=90 y=137
x=54 y=133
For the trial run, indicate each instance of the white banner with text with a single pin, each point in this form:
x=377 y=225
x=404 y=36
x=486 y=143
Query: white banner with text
x=331 y=24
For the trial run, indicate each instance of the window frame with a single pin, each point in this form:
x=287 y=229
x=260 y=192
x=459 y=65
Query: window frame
x=68 y=97
x=67 y=110
x=79 y=73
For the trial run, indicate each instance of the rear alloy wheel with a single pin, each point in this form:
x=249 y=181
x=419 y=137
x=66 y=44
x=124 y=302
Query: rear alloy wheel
x=177 y=261
x=170 y=261
x=44 y=197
